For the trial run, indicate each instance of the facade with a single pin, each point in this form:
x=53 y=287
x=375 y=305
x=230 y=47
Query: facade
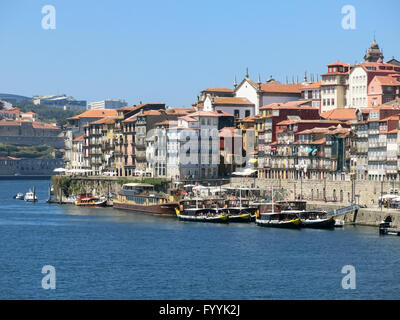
x=359 y=82
x=383 y=89
x=238 y=107
x=334 y=86
x=261 y=94
x=312 y=92
x=75 y=128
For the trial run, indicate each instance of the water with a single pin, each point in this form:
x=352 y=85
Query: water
x=103 y=253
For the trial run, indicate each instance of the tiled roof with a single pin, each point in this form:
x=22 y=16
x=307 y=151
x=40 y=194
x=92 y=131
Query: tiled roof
x=96 y=113
x=387 y=81
x=232 y=101
x=281 y=88
x=340 y=114
x=105 y=120
x=188 y=119
x=78 y=139
x=338 y=63
x=298 y=104
x=204 y=114
x=315 y=85
x=217 y=90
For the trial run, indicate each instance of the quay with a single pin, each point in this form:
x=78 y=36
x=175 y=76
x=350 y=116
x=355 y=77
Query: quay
x=371 y=215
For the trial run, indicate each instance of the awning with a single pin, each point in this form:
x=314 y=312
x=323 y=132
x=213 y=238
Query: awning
x=309 y=150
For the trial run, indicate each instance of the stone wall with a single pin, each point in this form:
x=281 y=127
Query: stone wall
x=29 y=167
x=367 y=192
x=55 y=142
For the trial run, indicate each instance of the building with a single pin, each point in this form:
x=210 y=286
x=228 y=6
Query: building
x=312 y=92
x=78 y=162
x=62 y=101
x=108 y=104
x=383 y=89
x=75 y=128
x=307 y=146
x=261 y=94
x=238 y=107
x=373 y=54
x=360 y=78
x=334 y=86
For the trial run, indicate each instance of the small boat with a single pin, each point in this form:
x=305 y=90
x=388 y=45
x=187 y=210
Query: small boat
x=339 y=223
x=195 y=210
x=19 y=196
x=316 y=219
x=385 y=228
x=30 y=197
x=87 y=200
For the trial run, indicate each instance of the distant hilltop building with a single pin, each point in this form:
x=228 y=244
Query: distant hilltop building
x=107 y=104
x=62 y=101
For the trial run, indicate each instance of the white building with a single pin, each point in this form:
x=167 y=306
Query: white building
x=186 y=149
x=240 y=108
x=261 y=94
x=108 y=104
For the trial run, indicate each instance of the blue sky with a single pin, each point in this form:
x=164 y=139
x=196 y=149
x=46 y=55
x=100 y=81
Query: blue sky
x=170 y=50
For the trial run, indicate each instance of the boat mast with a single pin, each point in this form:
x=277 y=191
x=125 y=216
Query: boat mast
x=272 y=199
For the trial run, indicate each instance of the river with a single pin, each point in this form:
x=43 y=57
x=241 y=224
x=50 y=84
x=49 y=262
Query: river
x=104 y=253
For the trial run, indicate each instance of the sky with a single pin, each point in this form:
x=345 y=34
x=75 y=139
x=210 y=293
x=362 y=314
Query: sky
x=169 y=50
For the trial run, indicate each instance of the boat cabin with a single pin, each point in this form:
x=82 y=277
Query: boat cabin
x=297 y=205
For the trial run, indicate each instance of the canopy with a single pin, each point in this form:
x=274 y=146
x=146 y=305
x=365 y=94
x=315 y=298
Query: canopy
x=309 y=150
x=246 y=172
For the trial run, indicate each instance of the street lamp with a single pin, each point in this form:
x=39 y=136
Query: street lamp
x=302 y=168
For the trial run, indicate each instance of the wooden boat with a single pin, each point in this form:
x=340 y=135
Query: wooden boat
x=141 y=197
x=316 y=219
x=199 y=210
x=272 y=215
x=87 y=200
x=239 y=210
x=285 y=219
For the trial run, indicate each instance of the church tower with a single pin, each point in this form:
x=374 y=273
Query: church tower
x=374 y=53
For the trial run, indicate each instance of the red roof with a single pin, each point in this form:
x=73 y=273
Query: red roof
x=281 y=88
x=340 y=114
x=96 y=113
x=217 y=90
x=232 y=101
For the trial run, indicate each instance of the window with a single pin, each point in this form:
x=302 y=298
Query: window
x=247 y=113
x=236 y=113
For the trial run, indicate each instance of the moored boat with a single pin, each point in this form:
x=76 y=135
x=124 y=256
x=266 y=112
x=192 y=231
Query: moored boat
x=239 y=210
x=141 y=197
x=19 y=196
x=87 y=200
x=284 y=219
x=316 y=219
x=30 y=196
x=200 y=210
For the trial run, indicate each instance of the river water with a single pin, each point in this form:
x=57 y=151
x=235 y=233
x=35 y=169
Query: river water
x=104 y=253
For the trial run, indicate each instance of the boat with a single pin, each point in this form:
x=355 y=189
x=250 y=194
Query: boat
x=316 y=219
x=30 y=196
x=19 y=196
x=200 y=210
x=88 y=200
x=239 y=210
x=141 y=197
x=285 y=219
x=386 y=228
x=272 y=215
